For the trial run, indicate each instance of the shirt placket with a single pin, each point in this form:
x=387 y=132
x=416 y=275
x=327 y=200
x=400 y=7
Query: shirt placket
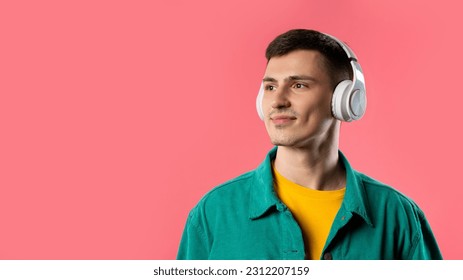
x=292 y=240
x=342 y=219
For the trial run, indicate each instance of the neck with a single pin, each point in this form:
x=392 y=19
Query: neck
x=315 y=165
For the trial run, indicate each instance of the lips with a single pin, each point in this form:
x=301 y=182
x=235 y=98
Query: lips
x=282 y=119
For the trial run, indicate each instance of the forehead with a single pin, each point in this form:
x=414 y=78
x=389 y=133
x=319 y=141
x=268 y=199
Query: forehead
x=299 y=62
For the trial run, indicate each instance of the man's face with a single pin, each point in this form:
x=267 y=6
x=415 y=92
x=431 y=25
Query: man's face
x=297 y=99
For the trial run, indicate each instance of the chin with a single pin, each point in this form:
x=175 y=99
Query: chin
x=291 y=141
x=282 y=142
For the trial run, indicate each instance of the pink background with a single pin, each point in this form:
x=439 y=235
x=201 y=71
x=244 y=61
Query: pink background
x=117 y=116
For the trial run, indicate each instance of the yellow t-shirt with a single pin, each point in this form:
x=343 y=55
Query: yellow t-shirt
x=313 y=210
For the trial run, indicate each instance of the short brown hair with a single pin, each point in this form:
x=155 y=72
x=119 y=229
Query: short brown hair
x=336 y=61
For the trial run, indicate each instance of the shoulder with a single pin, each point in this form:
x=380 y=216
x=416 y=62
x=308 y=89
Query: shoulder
x=375 y=196
x=375 y=187
x=234 y=187
x=227 y=195
x=398 y=215
x=383 y=197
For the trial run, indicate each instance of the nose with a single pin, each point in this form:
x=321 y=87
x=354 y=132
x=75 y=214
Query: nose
x=280 y=99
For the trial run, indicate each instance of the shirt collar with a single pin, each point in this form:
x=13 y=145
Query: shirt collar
x=355 y=200
x=262 y=196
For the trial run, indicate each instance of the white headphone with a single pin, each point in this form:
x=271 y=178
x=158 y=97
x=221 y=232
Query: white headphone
x=349 y=99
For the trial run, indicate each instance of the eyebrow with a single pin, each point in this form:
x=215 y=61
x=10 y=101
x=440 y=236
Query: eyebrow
x=291 y=78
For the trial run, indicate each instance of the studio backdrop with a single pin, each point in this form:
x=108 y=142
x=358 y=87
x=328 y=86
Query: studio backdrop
x=116 y=117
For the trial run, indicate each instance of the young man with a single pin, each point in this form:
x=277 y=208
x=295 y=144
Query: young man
x=305 y=201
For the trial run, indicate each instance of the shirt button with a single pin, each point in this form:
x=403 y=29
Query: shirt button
x=327 y=256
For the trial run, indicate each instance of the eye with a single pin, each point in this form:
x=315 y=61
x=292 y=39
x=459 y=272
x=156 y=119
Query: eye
x=298 y=85
x=269 y=87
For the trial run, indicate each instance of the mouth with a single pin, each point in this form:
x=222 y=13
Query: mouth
x=282 y=119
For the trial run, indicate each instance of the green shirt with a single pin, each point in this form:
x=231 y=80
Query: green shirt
x=244 y=219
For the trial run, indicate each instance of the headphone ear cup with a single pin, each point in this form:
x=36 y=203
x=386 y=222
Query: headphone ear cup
x=340 y=101
x=357 y=103
x=260 y=96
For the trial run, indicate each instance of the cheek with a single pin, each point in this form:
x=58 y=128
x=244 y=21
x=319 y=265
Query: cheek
x=324 y=104
x=316 y=110
x=266 y=103
x=266 y=106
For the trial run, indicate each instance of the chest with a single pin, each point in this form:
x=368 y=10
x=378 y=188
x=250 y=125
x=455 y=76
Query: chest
x=279 y=236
